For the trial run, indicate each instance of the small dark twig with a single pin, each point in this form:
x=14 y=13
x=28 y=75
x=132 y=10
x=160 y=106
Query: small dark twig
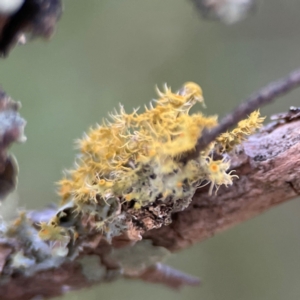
x=265 y=96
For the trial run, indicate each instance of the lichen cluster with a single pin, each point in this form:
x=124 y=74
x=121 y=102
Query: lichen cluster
x=132 y=173
x=133 y=163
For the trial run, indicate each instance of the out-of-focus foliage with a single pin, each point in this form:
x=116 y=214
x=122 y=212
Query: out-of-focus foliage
x=106 y=52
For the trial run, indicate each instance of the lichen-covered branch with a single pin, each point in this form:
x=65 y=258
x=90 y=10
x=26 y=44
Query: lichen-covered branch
x=268 y=165
x=130 y=200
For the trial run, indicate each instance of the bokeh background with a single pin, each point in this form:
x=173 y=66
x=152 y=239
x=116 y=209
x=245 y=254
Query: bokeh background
x=107 y=52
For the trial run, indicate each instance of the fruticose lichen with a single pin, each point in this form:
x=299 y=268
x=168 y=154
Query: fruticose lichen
x=132 y=173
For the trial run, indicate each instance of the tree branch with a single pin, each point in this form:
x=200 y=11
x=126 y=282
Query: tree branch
x=268 y=165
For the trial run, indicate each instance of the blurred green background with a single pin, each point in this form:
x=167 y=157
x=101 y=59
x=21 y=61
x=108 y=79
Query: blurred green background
x=106 y=52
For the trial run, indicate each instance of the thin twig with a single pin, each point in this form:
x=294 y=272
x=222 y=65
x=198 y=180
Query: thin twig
x=265 y=96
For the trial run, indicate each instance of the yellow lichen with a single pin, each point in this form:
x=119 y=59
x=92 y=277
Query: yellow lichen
x=114 y=153
x=52 y=233
x=228 y=140
x=136 y=158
